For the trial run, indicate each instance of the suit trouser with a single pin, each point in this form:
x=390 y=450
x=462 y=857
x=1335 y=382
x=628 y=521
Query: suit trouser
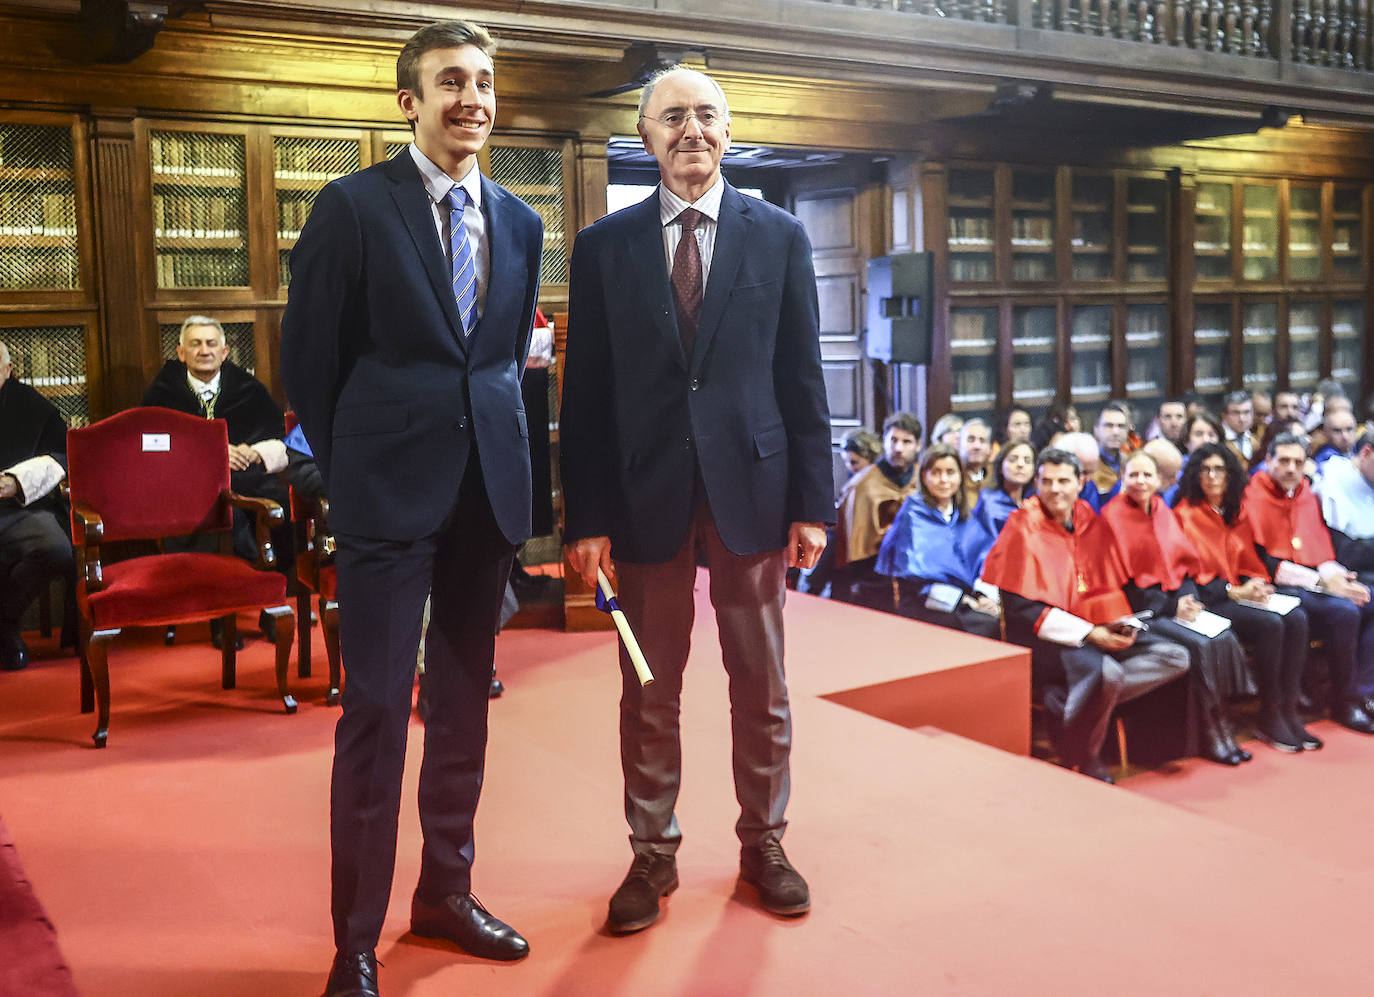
x=34 y=549
x=1095 y=683
x=747 y=594
x=1347 y=631
x=382 y=590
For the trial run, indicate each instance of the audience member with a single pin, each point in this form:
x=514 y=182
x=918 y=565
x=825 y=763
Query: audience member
x=1201 y=427
x=1168 y=422
x=946 y=429
x=1347 y=497
x=1233 y=582
x=975 y=452
x=1295 y=546
x=1193 y=404
x=1162 y=567
x=1167 y=459
x=868 y=505
x=860 y=449
x=34 y=544
x=1085 y=448
x=1013 y=425
x=1012 y=471
x=1261 y=405
x=1238 y=423
x=1328 y=389
x=1341 y=430
x=935 y=551
x=1287 y=406
x=1062 y=417
x=1061 y=580
x=1111 y=430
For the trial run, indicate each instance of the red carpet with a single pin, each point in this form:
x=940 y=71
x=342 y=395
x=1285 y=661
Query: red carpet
x=191 y=856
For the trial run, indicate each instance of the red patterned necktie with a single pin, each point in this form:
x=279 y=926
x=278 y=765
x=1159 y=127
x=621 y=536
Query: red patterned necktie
x=687 y=279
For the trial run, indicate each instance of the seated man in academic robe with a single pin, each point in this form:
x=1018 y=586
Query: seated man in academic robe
x=1347 y=497
x=203 y=381
x=868 y=504
x=1061 y=578
x=34 y=545
x=1292 y=539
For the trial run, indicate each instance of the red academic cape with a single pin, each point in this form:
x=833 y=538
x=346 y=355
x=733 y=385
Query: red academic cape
x=1079 y=572
x=1153 y=549
x=1224 y=551
x=1291 y=529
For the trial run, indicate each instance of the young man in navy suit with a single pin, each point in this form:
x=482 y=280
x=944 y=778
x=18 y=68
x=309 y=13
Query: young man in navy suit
x=694 y=419
x=412 y=297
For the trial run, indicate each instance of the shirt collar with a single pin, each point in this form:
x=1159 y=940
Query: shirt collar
x=670 y=205
x=438 y=183
x=201 y=388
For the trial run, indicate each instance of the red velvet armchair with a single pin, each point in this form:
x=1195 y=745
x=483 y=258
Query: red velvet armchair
x=146 y=475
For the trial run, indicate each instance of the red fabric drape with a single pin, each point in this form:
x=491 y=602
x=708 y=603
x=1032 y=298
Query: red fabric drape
x=1291 y=529
x=1153 y=548
x=1223 y=551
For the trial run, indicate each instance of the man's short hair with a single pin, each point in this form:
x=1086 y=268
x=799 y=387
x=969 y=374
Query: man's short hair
x=1285 y=440
x=195 y=320
x=904 y=421
x=1171 y=401
x=440 y=34
x=1115 y=406
x=1366 y=438
x=1054 y=455
x=1236 y=398
x=653 y=81
x=970 y=423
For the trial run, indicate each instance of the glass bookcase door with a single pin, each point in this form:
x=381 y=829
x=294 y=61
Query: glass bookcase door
x=973 y=352
x=1304 y=344
x=1347 y=233
x=972 y=226
x=1146 y=232
x=1304 y=232
x=1212 y=232
x=300 y=168
x=52 y=360
x=1212 y=349
x=38 y=241
x=1259 y=247
x=1260 y=345
x=1090 y=351
x=535 y=175
x=1032 y=226
x=238 y=336
x=1347 y=346
x=200 y=227
x=1090 y=240
x=1035 y=357
x=1147 y=355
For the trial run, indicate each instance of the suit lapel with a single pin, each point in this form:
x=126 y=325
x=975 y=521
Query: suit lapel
x=646 y=252
x=412 y=201
x=732 y=232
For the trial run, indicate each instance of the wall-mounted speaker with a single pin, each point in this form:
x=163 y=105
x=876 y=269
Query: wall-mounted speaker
x=901 y=307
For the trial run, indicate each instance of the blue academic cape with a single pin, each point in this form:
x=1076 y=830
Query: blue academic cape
x=921 y=545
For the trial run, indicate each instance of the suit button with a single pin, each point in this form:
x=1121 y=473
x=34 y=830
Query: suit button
x=463 y=423
x=695 y=384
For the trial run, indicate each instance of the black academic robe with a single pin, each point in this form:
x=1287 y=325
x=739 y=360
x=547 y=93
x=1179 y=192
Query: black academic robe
x=31 y=426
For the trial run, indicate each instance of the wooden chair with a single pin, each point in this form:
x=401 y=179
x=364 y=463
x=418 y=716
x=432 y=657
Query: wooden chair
x=146 y=475
x=315 y=574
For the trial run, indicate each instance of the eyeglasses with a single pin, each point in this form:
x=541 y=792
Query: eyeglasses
x=677 y=120
x=1216 y=470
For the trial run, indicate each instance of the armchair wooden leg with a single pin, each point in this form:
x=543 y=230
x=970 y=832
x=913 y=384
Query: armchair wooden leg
x=303 y=633
x=229 y=638
x=97 y=662
x=281 y=615
x=329 y=626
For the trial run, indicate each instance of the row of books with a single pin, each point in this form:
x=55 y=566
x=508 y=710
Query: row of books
x=199 y=270
x=41 y=268
x=196 y=155
x=309 y=160
x=27 y=212
x=197 y=216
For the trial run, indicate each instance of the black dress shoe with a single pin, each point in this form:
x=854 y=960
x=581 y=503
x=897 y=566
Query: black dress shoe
x=14 y=653
x=634 y=905
x=781 y=887
x=1351 y=714
x=353 y=975
x=1276 y=732
x=1096 y=768
x=465 y=922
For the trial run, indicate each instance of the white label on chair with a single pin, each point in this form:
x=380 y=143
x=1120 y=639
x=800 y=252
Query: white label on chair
x=157 y=442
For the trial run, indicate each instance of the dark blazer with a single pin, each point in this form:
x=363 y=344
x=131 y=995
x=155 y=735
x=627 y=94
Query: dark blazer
x=748 y=406
x=390 y=396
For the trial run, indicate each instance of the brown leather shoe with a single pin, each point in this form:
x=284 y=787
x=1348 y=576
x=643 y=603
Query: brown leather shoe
x=634 y=905
x=465 y=922
x=353 y=975
x=781 y=887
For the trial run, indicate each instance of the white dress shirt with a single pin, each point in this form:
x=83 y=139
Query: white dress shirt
x=670 y=206
x=272 y=452
x=437 y=185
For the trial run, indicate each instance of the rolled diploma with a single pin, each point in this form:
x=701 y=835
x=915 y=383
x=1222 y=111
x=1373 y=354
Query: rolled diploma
x=646 y=677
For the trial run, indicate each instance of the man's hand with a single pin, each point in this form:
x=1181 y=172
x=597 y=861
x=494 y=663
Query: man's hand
x=1252 y=590
x=9 y=486
x=242 y=456
x=587 y=555
x=1347 y=586
x=1110 y=641
x=1187 y=609
x=805 y=542
x=980 y=603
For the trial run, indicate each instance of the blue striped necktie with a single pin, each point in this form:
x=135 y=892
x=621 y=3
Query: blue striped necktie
x=463 y=259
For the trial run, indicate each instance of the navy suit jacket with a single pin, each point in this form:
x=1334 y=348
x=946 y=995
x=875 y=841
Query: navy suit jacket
x=390 y=394
x=748 y=406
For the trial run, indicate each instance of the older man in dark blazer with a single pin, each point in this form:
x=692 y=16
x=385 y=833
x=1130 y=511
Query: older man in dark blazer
x=694 y=420
x=412 y=297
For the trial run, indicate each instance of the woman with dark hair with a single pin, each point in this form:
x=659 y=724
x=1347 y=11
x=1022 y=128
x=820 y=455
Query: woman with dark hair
x=935 y=549
x=1232 y=582
x=1012 y=471
x=1200 y=428
x=1013 y=424
x=1061 y=418
x=1162 y=566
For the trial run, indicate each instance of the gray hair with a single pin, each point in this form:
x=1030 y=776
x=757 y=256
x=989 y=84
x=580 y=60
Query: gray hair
x=1286 y=440
x=654 y=80
x=199 y=320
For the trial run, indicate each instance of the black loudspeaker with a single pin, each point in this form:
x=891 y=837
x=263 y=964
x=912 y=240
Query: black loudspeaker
x=901 y=306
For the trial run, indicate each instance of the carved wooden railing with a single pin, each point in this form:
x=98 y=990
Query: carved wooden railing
x=1335 y=33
